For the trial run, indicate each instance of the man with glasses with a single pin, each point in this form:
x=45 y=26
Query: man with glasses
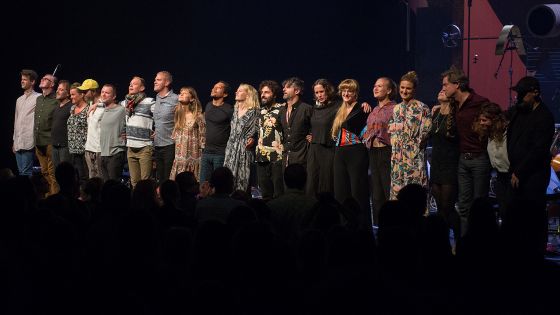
x=44 y=109
x=24 y=143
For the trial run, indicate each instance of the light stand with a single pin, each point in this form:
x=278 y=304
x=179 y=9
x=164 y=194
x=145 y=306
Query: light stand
x=509 y=40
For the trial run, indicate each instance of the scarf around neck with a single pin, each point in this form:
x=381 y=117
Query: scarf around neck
x=132 y=100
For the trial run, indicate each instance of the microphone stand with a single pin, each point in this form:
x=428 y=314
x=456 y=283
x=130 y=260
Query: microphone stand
x=469 y=5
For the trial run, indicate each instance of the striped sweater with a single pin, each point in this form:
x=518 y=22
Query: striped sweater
x=140 y=124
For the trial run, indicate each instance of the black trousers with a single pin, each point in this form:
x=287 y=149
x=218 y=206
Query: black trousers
x=351 y=179
x=380 y=172
x=270 y=179
x=112 y=166
x=164 y=157
x=320 y=176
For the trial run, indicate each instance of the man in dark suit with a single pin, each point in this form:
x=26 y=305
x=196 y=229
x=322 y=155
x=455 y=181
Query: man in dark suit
x=529 y=137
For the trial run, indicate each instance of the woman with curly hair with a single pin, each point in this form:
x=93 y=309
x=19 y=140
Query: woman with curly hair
x=409 y=128
x=492 y=124
x=188 y=133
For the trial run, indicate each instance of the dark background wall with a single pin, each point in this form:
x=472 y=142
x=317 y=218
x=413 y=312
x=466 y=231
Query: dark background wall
x=201 y=42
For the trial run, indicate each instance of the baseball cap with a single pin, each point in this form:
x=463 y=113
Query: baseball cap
x=88 y=84
x=527 y=84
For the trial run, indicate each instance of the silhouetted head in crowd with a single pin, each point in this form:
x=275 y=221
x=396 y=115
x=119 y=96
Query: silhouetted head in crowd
x=415 y=198
x=41 y=185
x=6 y=174
x=187 y=183
x=169 y=192
x=482 y=218
x=144 y=195
x=92 y=189
x=115 y=196
x=222 y=181
x=67 y=179
x=295 y=176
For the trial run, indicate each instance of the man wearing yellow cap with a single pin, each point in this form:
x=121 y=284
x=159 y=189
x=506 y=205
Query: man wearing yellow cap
x=96 y=109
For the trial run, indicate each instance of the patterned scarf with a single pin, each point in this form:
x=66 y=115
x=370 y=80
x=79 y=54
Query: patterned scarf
x=132 y=100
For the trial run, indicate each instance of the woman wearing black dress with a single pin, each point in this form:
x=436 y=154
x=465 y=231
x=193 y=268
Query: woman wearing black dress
x=445 y=159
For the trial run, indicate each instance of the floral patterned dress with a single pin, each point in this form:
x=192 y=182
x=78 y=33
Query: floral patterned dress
x=409 y=128
x=189 y=142
x=238 y=158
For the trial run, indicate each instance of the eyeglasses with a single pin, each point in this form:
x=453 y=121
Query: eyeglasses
x=51 y=81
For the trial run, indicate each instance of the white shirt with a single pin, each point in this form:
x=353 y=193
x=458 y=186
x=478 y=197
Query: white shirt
x=94 y=129
x=25 y=121
x=497 y=152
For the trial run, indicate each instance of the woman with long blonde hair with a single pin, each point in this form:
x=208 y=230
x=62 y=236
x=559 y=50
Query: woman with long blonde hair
x=409 y=128
x=350 y=155
x=240 y=146
x=188 y=133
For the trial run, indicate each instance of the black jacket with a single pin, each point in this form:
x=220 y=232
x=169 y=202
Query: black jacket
x=529 y=137
x=295 y=131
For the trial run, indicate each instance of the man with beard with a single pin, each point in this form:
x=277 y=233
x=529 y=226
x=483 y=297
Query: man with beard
x=59 y=131
x=296 y=123
x=269 y=144
x=217 y=114
x=529 y=137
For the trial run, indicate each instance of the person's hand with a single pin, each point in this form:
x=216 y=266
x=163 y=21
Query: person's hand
x=249 y=143
x=123 y=136
x=152 y=135
x=514 y=181
x=436 y=107
x=13 y=149
x=366 y=108
x=309 y=138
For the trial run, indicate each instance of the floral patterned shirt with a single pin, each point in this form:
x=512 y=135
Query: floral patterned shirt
x=269 y=146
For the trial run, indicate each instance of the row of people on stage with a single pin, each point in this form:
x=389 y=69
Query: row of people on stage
x=338 y=139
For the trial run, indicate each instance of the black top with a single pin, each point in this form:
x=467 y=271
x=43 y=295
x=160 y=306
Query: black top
x=295 y=131
x=529 y=137
x=321 y=123
x=59 y=131
x=445 y=151
x=218 y=127
x=356 y=120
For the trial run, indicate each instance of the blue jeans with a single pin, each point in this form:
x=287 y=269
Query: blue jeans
x=24 y=160
x=208 y=163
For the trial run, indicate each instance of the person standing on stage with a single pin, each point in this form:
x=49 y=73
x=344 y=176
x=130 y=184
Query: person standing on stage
x=59 y=131
x=529 y=138
x=409 y=128
x=139 y=125
x=445 y=159
x=77 y=131
x=296 y=123
x=378 y=142
x=188 y=134
x=24 y=142
x=164 y=111
x=473 y=179
x=350 y=155
x=111 y=139
x=240 y=151
x=217 y=115
x=320 y=156
x=269 y=144
x=95 y=113
x=44 y=109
